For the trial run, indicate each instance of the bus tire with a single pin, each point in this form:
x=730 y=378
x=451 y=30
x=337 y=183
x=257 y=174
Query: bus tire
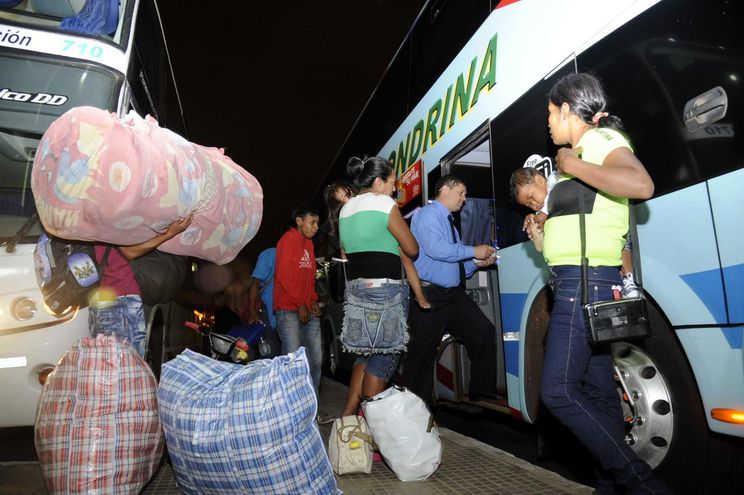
x=672 y=434
x=534 y=350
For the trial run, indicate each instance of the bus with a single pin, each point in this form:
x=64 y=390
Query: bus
x=46 y=70
x=466 y=94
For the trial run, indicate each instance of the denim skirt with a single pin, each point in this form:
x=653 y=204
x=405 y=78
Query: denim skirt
x=375 y=315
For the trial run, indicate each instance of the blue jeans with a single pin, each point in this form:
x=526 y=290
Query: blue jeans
x=125 y=318
x=577 y=381
x=295 y=334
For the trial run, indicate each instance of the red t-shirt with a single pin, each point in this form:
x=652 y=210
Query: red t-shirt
x=117 y=275
x=294 y=278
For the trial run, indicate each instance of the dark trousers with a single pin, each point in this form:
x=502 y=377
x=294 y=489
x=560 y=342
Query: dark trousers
x=577 y=381
x=452 y=309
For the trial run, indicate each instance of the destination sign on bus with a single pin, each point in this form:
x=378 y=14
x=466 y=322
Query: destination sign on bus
x=63 y=44
x=461 y=95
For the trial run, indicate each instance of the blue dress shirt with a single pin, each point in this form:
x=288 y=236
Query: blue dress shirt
x=438 y=257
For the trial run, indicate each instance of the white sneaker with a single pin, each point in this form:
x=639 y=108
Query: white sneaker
x=630 y=289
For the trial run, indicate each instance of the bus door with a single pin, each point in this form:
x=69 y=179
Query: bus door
x=471 y=161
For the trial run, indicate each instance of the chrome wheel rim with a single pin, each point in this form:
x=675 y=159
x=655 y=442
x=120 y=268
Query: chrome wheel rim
x=652 y=433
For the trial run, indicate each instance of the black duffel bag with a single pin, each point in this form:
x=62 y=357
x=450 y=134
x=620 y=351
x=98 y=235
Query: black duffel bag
x=160 y=276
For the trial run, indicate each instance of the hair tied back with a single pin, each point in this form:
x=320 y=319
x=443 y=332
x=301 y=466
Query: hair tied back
x=597 y=116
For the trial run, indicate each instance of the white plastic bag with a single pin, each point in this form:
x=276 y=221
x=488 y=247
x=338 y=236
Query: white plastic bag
x=350 y=446
x=404 y=430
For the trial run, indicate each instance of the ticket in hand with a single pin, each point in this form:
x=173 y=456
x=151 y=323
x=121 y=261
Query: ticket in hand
x=478 y=262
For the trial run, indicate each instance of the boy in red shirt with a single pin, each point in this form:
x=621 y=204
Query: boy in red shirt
x=295 y=299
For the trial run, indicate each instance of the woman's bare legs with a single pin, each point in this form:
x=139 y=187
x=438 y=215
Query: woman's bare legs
x=372 y=385
x=361 y=385
x=355 y=390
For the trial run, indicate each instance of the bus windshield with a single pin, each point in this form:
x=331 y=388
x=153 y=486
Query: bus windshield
x=34 y=93
x=108 y=19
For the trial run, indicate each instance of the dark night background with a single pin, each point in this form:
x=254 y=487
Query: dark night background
x=279 y=84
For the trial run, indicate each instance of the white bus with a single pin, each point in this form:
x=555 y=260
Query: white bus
x=467 y=94
x=44 y=71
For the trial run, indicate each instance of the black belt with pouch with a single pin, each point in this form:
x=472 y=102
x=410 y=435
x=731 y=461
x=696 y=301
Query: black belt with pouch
x=609 y=321
x=439 y=296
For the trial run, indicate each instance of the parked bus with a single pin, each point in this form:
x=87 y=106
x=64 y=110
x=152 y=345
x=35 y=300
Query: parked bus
x=467 y=94
x=45 y=71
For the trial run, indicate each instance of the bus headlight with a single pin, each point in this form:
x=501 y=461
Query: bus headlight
x=44 y=374
x=24 y=308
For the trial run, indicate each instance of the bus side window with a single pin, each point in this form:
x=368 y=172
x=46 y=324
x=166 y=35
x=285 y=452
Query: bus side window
x=652 y=77
x=146 y=72
x=517 y=133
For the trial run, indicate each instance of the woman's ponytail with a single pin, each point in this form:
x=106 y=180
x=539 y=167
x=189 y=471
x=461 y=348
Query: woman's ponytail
x=363 y=172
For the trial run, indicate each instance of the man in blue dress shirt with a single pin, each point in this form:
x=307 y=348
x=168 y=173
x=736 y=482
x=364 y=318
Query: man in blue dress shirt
x=443 y=264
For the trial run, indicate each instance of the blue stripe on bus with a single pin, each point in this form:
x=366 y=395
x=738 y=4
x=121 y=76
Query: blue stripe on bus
x=734 y=336
x=707 y=286
x=512 y=305
x=511 y=356
x=734 y=279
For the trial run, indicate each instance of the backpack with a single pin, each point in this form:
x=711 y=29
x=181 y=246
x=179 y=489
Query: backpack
x=67 y=272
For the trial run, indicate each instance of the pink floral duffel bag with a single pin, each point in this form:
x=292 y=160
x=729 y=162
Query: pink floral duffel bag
x=97 y=427
x=100 y=178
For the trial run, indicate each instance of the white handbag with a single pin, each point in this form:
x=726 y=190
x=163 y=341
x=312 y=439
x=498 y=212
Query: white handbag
x=404 y=430
x=350 y=446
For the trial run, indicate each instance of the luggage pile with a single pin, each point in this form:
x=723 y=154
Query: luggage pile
x=243 y=429
x=97 y=428
x=100 y=178
x=397 y=422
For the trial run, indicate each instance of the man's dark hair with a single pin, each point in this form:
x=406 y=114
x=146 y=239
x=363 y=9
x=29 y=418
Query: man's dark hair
x=448 y=180
x=305 y=210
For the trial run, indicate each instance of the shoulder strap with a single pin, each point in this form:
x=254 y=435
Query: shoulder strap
x=584 y=259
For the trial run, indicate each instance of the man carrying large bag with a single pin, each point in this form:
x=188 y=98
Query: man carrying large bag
x=117 y=306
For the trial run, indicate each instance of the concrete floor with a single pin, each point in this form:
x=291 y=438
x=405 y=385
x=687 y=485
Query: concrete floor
x=468 y=466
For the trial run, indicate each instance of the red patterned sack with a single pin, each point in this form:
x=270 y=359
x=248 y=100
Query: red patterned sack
x=97 y=427
x=98 y=177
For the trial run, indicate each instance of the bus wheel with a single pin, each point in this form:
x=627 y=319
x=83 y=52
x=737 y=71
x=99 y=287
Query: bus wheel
x=671 y=432
x=651 y=433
